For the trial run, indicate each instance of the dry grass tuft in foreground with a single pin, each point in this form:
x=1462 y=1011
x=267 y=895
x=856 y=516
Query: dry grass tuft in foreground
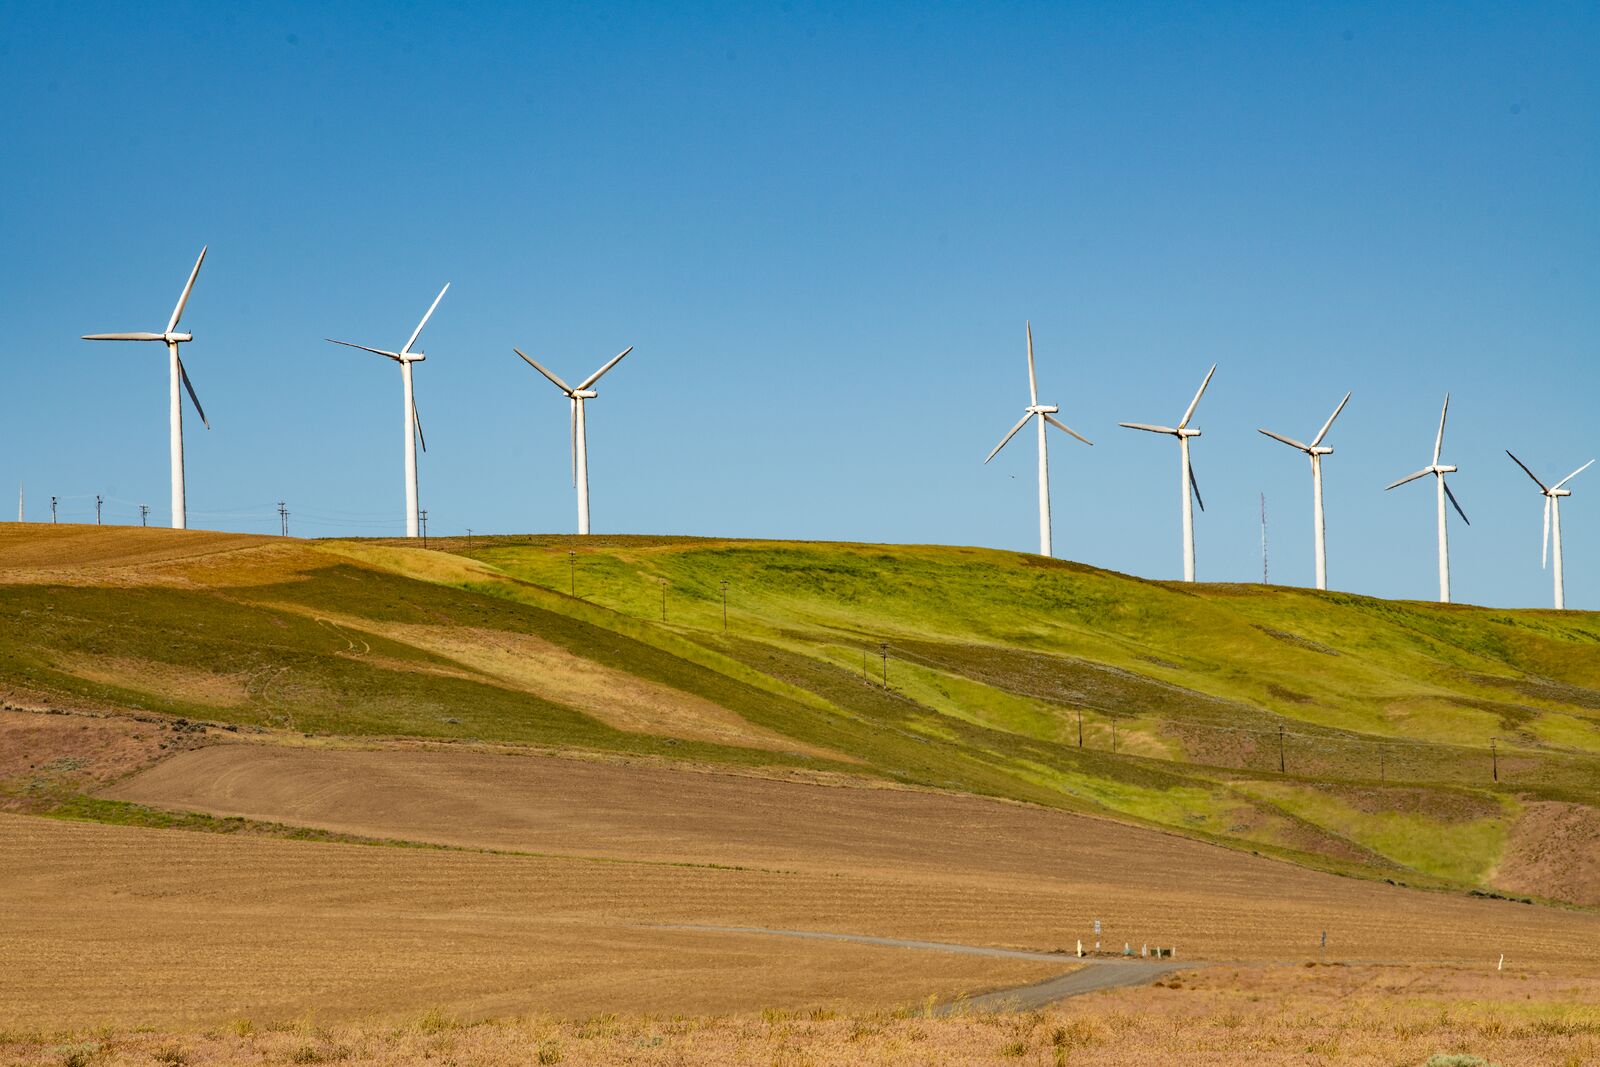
x=1345 y=1015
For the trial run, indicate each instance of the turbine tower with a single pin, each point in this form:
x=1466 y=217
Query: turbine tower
x=580 y=432
x=412 y=424
x=1438 y=471
x=1316 y=450
x=172 y=339
x=1186 y=479
x=1552 y=521
x=1045 y=413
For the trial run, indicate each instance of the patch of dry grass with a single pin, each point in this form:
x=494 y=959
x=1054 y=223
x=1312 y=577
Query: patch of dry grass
x=1355 y=1015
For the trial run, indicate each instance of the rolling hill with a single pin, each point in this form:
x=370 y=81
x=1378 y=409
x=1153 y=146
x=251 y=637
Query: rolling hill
x=1434 y=745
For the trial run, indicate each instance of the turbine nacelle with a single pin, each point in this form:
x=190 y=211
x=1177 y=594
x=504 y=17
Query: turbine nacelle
x=584 y=394
x=177 y=338
x=1042 y=409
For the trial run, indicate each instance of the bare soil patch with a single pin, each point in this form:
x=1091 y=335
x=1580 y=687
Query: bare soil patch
x=45 y=755
x=1554 y=851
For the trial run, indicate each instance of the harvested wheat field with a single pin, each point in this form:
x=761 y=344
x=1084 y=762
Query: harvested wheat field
x=900 y=862
x=128 y=926
x=132 y=926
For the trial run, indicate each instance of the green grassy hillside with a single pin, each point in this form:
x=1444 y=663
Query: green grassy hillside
x=1008 y=675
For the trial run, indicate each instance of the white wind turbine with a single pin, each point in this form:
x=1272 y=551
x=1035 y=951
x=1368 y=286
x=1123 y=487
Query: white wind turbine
x=1316 y=450
x=1552 y=521
x=413 y=424
x=1045 y=413
x=1186 y=479
x=580 y=433
x=1438 y=471
x=172 y=340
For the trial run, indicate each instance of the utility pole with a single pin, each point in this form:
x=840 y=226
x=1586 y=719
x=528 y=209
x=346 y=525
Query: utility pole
x=724 y=605
x=663 y=582
x=1264 y=579
x=98 y=499
x=283 y=518
x=1080 y=727
x=422 y=517
x=52 y=511
x=1280 y=749
x=572 y=570
x=144 y=514
x=469 y=537
x=883 y=650
x=1494 y=759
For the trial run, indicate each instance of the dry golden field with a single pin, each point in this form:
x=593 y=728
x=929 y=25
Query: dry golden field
x=1363 y=1016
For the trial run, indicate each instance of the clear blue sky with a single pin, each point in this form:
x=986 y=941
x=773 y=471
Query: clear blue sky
x=823 y=228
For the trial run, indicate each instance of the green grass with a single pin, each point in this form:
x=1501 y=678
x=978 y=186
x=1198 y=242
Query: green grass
x=1460 y=850
x=993 y=660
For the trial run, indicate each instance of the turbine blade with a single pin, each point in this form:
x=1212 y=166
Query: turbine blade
x=1194 y=485
x=190 y=386
x=1147 y=426
x=1542 y=487
x=1009 y=435
x=1033 y=381
x=418 y=331
x=536 y=365
x=1544 y=545
x=1573 y=475
x=1317 y=440
x=1058 y=424
x=1189 y=414
x=416 y=420
x=177 y=312
x=1291 y=442
x=375 y=351
x=124 y=337
x=1456 y=503
x=1408 y=478
x=1438 y=442
x=612 y=362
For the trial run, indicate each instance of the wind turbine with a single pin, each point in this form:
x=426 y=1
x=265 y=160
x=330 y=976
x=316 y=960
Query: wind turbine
x=580 y=433
x=413 y=424
x=1552 y=520
x=1443 y=491
x=1045 y=413
x=1186 y=480
x=172 y=340
x=1316 y=450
